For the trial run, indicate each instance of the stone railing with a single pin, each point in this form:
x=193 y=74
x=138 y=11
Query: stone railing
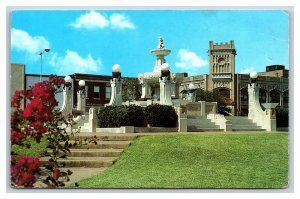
x=264 y=118
x=220 y=120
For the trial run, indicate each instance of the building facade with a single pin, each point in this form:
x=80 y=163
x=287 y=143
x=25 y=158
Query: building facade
x=233 y=87
x=97 y=89
x=274 y=82
x=17 y=78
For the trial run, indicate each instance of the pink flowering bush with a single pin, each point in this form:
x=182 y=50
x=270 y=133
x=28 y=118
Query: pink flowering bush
x=40 y=118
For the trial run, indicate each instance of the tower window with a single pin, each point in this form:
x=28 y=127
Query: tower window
x=221 y=61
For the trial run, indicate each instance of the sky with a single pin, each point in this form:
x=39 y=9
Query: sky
x=92 y=41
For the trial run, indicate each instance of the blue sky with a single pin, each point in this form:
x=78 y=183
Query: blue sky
x=92 y=41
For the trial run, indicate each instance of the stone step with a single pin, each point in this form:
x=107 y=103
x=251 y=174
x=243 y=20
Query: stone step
x=105 y=136
x=95 y=152
x=91 y=162
x=103 y=145
x=209 y=125
x=206 y=123
x=241 y=121
x=195 y=117
x=84 y=130
x=80 y=173
x=200 y=120
x=245 y=126
x=248 y=129
x=198 y=129
x=236 y=118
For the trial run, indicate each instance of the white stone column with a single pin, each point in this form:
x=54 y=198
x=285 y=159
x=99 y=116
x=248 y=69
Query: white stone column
x=92 y=120
x=81 y=101
x=182 y=120
x=67 y=105
x=266 y=119
x=116 y=86
x=116 y=92
x=165 y=91
x=145 y=90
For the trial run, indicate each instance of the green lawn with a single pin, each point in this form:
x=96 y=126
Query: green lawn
x=252 y=160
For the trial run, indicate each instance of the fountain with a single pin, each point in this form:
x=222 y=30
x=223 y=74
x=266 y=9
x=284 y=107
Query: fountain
x=150 y=81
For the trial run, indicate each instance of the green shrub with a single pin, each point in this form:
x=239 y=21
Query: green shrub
x=116 y=116
x=282 y=117
x=161 y=115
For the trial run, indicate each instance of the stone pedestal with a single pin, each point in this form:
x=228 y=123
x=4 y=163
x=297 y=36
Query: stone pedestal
x=81 y=101
x=116 y=92
x=182 y=120
x=145 y=89
x=67 y=101
x=264 y=118
x=165 y=91
x=92 y=120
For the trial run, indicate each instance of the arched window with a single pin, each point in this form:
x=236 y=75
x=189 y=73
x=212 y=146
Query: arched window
x=262 y=95
x=275 y=96
x=286 y=98
x=244 y=96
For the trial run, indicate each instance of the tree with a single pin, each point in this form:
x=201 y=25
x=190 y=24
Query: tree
x=131 y=89
x=212 y=96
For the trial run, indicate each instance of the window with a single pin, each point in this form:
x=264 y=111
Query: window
x=262 y=96
x=86 y=90
x=244 y=96
x=96 y=92
x=107 y=92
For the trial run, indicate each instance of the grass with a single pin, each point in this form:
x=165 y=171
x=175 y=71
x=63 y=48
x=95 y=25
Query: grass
x=256 y=160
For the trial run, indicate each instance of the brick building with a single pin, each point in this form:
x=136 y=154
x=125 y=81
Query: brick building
x=222 y=77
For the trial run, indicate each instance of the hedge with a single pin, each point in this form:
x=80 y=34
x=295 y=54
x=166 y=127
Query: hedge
x=282 y=117
x=161 y=115
x=116 y=116
x=154 y=115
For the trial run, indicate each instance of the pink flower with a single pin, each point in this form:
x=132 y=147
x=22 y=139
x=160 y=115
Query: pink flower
x=15 y=137
x=23 y=171
x=56 y=173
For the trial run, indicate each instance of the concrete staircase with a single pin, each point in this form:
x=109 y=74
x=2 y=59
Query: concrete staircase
x=243 y=124
x=97 y=151
x=84 y=128
x=195 y=124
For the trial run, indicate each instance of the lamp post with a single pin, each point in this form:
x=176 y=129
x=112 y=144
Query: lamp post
x=41 y=54
x=191 y=93
x=116 y=71
x=116 y=86
x=81 y=84
x=68 y=80
x=253 y=77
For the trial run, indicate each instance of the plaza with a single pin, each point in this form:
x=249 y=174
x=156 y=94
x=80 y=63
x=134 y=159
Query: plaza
x=155 y=125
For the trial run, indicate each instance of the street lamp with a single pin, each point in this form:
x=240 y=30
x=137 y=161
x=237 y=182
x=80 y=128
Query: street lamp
x=41 y=54
x=253 y=77
x=68 y=80
x=192 y=94
x=116 y=71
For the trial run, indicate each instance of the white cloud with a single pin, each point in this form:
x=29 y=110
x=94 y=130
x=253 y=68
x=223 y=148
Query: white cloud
x=119 y=21
x=94 y=20
x=22 y=41
x=189 y=60
x=247 y=70
x=72 y=62
x=91 y=20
